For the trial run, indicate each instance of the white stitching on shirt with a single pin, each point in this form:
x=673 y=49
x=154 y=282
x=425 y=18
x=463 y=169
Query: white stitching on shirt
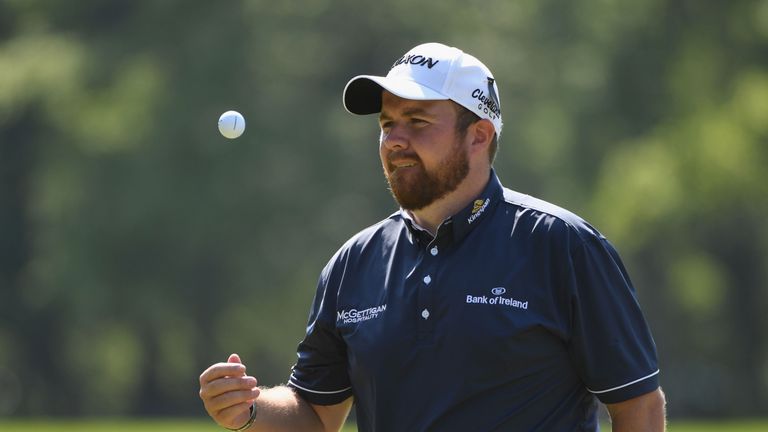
x=316 y=391
x=623 y=385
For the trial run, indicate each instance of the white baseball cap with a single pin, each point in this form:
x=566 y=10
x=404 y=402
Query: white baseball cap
x=431 y=71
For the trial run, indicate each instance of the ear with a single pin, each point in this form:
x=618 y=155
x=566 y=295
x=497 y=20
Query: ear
x=482 y=134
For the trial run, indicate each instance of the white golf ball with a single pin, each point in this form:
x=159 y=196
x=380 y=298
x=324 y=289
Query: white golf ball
x=231 y=124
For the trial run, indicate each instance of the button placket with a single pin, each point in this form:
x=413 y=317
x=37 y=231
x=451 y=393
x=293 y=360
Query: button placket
x=425 y=312
x=427 y=293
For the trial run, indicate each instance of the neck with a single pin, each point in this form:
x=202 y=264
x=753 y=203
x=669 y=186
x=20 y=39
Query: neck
x=433 y=215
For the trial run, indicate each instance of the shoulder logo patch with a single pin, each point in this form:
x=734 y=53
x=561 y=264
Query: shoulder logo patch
x=478 y=207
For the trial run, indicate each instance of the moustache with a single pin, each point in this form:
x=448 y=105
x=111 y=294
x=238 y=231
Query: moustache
x=400 y=156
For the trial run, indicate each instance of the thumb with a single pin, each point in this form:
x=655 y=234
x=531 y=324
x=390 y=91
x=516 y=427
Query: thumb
x=234 y=358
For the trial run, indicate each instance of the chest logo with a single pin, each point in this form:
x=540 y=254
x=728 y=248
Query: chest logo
x=359 y=315
x=497 y=299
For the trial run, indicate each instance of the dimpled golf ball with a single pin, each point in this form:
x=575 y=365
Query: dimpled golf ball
x=231 y=124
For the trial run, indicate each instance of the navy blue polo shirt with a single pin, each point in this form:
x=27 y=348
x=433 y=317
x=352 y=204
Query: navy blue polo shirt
x=516 y=316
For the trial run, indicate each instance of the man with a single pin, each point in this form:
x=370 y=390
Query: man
x=473 y=308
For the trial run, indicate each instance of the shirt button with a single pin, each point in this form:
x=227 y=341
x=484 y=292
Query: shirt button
x=433 y=251
x=427 y=279
x=425 y=314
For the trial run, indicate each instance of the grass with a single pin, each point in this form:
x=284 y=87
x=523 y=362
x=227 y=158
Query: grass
x=204 y=425
x=116 y=425
x=108 y=425
x=718 y=426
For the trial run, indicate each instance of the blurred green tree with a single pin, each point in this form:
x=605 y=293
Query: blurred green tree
x=137 y=246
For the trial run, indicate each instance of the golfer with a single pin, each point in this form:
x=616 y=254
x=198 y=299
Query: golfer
x=472 y=308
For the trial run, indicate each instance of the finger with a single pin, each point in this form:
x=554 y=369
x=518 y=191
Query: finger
x=234 y=358
x=224 y=385
x=220 y=370
x=223 y=401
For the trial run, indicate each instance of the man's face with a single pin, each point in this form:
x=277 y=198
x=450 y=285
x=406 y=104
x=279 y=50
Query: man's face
x=423 y=157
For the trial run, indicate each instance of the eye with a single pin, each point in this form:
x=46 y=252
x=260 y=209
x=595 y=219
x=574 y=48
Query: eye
x=419 y=121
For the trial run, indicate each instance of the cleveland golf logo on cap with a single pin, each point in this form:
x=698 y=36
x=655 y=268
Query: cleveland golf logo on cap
x=488 y=103
x=417 y=60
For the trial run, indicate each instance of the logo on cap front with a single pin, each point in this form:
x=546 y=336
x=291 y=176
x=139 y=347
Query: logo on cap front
x=417 y=60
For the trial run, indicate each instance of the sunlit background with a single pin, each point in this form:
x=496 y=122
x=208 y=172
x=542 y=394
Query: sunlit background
x=138 y=246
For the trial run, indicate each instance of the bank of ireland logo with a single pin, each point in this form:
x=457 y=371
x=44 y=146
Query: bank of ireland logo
x=497 y=299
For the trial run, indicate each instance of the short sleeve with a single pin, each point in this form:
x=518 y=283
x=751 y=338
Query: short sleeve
x=320 y=374
x=611 y=344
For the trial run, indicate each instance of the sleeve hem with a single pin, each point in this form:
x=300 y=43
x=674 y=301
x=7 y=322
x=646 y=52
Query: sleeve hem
x=629 y=390
x=318 y=397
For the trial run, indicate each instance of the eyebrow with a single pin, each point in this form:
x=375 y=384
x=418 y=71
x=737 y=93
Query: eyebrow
x=408 y=112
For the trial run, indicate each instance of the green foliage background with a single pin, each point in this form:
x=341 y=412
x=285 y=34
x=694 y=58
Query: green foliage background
x=138 y=246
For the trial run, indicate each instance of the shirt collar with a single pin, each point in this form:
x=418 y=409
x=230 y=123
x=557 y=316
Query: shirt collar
x=475 y=213
x=416 y=233
x=460 y=224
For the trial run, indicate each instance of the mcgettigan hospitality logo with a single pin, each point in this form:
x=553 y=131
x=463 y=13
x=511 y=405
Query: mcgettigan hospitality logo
x=355 y=316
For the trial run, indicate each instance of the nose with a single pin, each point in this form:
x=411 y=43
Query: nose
x=393 y=138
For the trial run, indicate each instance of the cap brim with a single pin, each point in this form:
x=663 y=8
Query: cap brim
x=362 y=95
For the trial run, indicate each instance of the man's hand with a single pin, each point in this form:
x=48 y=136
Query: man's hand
x=227 y=392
